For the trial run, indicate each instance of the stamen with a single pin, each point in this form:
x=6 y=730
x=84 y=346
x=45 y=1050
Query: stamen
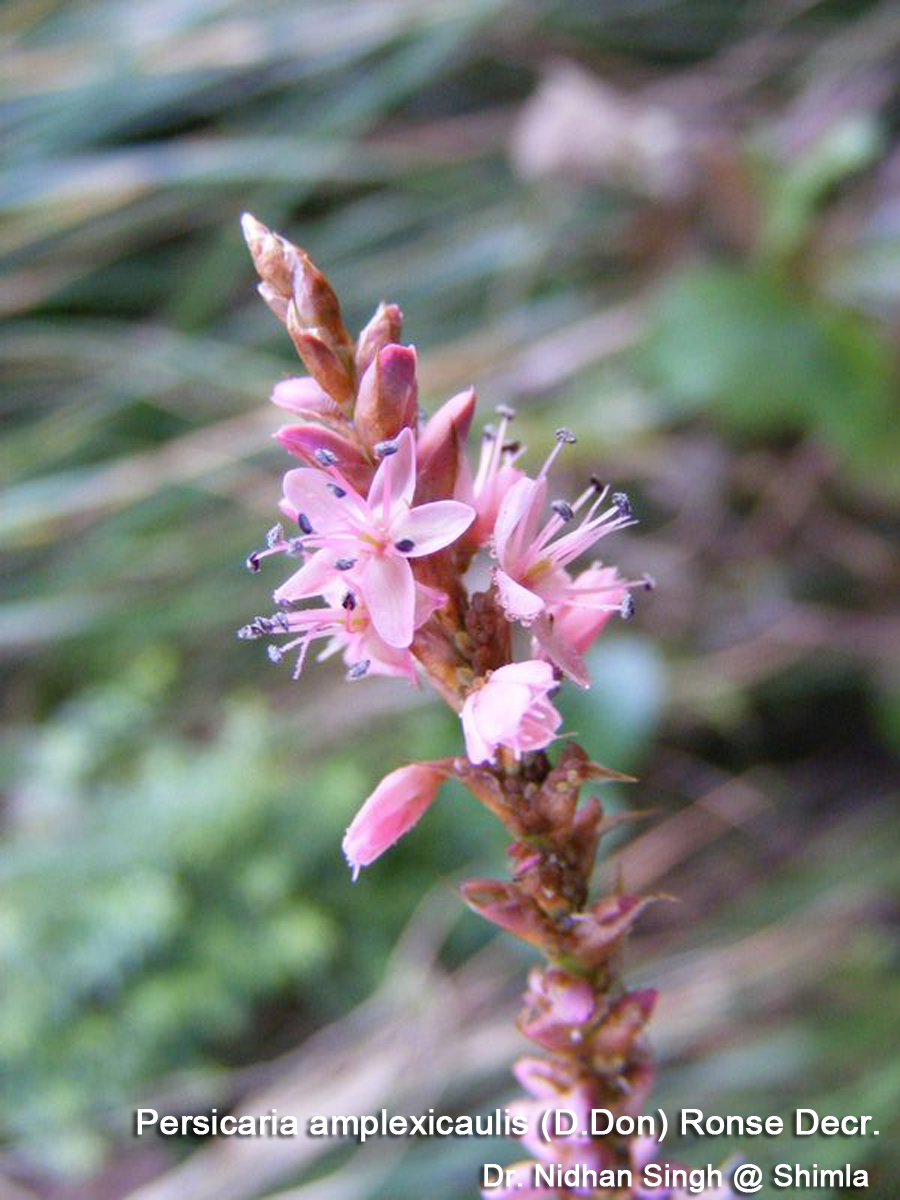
x=622 y=503
x=304 y=522
x=385 y=449
x=563 y=509
x=349 y=602
x=325 y=458
x=274 y=536
x=336 y=489
x=405 y=545
x=358 y=669
x=627 y=609
x=345 y=564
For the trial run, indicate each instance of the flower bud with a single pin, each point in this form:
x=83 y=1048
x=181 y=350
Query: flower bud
x=388 y=396
x=304 y=440
x=506 y=906
x=288 y=274
x=303 y=396
x=385 y=327
x=321 y=359
x=392 y=809
x=440 y=452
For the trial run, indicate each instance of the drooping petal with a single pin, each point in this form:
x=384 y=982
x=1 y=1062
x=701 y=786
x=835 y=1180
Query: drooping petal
x=402 y=467
x=386 y=582
x=430 y=527
x=561 y=651
x=518 y=602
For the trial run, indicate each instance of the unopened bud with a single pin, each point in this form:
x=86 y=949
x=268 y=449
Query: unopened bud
x=388 y=396
x=385 y=327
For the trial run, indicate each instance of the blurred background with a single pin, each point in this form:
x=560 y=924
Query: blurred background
x=673 y=225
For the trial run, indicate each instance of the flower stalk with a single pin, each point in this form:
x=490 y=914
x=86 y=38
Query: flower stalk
x=385 y=518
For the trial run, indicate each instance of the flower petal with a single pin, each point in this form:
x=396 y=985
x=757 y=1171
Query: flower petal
x=402 y=466
x=386 y=582
x=518 y=602
x=512 y=508
x=310 y=491
x=311 y=580
x=430 y=527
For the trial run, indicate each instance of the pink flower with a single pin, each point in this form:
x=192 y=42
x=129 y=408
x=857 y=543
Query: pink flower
x=346 y=621
x=532 y=581
x=392 y=809
x=376 y=535
x=511 y=710
x=494 y=477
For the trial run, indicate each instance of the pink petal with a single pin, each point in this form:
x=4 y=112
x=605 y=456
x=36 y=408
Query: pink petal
x=518 y=602
x=312 y=578
x=430 y=527
x=499 y=709
x=307 y=490
x=512 y=508
x=533 y=672
x=386 y=582
x=428 y=601
x=477 y=749
x=402 y=467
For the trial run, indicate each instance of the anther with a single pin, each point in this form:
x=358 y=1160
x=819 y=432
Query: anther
x=336 y=489
x=304 y=522
x=349 y=602
x=627 y=609
x=597 y=483
x=489 y=433
x=295 y=546
x=281 y=620
x=274 y=654
x=345 y=564
x=274 y=536
x=253 y=565
x=622 y=503
x=405 y=545
x=358 y=669
x=566 y=436
x=385 y=449
x=325 y=458
x=563 y=509
x=503 y=410
x=512 y=447
x=649 y=583
x=247 y=633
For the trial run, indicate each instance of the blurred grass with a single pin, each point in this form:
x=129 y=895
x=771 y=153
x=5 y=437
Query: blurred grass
x=713 y=304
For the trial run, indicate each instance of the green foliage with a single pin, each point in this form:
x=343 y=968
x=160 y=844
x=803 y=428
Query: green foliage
x=769 y=361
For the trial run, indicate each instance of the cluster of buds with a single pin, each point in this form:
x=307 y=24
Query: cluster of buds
x=386 y=520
